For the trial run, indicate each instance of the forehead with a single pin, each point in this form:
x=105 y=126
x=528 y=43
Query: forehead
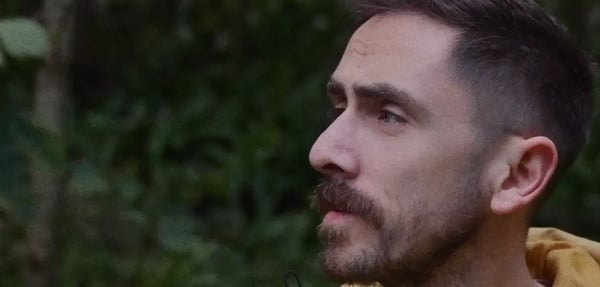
x=403 y=31
x=412 y=53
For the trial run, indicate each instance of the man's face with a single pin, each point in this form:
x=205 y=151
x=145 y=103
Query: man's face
x=401 y=159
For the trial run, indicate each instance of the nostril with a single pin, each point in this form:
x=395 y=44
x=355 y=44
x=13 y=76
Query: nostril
x=331 y=168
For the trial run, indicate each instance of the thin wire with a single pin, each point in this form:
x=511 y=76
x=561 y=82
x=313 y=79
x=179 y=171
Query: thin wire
x=292 y=274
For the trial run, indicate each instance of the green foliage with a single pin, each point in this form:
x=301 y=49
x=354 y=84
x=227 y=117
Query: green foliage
x=186 y=139
x=187 y=165
x=22 y=38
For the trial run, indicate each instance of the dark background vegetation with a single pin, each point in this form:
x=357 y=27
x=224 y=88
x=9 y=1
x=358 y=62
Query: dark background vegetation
x=181 y=154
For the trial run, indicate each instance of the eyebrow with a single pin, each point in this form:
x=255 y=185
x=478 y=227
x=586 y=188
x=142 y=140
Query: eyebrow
x=382 y=91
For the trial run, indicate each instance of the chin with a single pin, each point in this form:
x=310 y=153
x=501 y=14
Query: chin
x=351 y=262
x=353 y=251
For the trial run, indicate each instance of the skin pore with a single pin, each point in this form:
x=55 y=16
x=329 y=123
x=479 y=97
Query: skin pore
x=409 y=198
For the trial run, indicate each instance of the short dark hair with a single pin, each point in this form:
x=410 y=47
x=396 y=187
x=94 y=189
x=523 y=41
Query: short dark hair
x=525 y=71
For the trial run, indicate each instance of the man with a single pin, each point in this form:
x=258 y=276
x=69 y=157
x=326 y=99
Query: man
x=452 y=121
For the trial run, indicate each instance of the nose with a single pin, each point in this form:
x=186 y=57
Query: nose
x=334 y=153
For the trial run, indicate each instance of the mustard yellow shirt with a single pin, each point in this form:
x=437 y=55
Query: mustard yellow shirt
x=558 y=257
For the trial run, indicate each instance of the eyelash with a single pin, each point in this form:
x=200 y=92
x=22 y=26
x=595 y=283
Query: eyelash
x=387 y=116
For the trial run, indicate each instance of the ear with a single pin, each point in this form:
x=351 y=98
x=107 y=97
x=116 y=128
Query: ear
x=525 y=168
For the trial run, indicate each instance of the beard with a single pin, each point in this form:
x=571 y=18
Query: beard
x=403 y=250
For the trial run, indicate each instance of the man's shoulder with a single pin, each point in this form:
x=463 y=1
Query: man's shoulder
x=563 y=258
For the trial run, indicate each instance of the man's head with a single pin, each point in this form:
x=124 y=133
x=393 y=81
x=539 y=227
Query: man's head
x=449 y=113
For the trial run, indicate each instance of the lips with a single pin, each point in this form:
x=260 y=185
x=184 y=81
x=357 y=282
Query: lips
x=334 y=216
x=335 y=199
x=330 y=212
x=328 y=207
x=325 y=206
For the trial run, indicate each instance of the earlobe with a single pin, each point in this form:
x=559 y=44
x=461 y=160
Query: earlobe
x=528 y=166
x=506 y=202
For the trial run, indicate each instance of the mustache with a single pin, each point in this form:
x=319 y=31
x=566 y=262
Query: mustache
x=335 y=194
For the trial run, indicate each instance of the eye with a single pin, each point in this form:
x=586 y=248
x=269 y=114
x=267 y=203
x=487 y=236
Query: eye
x=388 y=117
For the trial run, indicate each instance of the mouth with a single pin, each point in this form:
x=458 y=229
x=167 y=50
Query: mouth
x=330 y=213
x=334 y=216
x=339 y=203
x=333 y=213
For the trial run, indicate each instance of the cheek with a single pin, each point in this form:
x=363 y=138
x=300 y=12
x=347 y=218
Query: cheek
x=417 y=169
x=422 y=180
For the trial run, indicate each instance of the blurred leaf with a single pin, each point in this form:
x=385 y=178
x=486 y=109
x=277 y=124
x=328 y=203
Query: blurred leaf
x=23 y=37
x=39 y=142
x=175 y=233
x=87 y=180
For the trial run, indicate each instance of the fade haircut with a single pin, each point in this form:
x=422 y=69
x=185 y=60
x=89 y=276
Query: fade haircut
x=525 y=72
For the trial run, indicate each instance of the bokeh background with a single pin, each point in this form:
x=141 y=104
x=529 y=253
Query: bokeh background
x=164 y=143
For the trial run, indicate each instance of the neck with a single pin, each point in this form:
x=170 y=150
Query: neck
x=494 y=256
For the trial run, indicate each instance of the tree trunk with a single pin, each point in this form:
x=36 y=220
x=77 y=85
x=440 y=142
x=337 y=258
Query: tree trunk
x=51 y=89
